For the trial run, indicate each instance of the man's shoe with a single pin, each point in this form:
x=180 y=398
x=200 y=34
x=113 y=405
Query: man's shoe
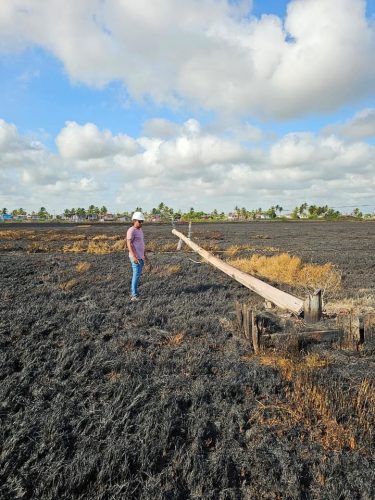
x=134 y=299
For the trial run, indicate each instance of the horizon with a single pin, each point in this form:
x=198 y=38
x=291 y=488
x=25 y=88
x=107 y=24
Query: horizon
x=234 y=103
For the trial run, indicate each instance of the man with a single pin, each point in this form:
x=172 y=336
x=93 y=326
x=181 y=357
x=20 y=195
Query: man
x=136 y=246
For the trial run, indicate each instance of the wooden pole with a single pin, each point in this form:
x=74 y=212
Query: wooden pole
x=369 y=328
x=189 y=232
x=312 y=307
x=268 y=292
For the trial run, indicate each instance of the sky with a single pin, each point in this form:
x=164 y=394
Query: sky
x=193 y=103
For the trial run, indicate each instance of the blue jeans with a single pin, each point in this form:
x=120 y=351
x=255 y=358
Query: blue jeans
x=137 y=271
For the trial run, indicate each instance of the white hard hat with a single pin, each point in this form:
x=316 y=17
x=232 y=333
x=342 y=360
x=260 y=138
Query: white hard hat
x=138 y=216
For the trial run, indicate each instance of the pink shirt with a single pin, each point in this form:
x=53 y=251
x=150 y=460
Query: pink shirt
x=137 y=239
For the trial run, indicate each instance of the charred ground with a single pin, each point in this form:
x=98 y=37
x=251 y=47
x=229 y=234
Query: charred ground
x=101 y=398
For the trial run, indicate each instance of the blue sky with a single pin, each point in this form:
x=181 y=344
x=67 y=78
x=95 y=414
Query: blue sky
x=222 y=104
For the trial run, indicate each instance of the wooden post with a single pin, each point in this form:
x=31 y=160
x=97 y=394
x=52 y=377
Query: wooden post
x=248 y=314
x=255 y=334
x=179 y=245
x=239 y=315
x=189 y=231
x=312 y=307
x=244 y=319
x=278 y=297
x=369 y=328
x=350 y=325
x=313 y=335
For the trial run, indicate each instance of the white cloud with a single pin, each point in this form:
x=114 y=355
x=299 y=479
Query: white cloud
x=84 y=142
x=161 y=128
x=207 y=52
x=361 y=126
x=16 y=150
x=30 y=173
x=81 y=186
x=321 y=155
x=192 y=167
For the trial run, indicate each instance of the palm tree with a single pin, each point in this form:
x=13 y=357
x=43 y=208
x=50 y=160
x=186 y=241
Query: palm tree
x=302 y=208
x=43 y=214
x=278 y=208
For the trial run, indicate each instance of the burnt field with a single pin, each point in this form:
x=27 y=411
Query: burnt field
x=102 y=398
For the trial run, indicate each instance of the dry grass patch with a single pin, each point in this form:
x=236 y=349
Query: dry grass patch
x=99 y=248
x=82 y=267
x=68 y=285
x=105 y=237
x=36 y=247
x=75 y=237
x=175 y=340
x=8 y=247
x=362 y=304
x=312 y=404
x=17 y=235
x=77 y=247
x=158 y=246
x=291 y=270
x=119 y=245
x=60 y=236
x=113 y=376
x=234 y=250
x=10 y=235
x=210 y=247
x=168 y=247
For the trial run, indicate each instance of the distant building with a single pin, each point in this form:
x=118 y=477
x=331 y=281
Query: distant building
x=262 y=217
x=5 y=217
x=107 y=218
x=77 y=218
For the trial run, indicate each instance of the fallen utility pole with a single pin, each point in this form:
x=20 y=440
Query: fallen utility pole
x=268 y=292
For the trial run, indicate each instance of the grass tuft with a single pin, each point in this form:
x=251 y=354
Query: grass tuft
x=291 y=270
x=99 y=248
x=167 y=270
x=36 y=247
x=82 y=267
x=175 y=340
x=77 y=247
x=68 y=285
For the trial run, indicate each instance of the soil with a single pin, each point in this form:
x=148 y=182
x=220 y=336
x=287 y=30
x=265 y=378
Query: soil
x=102 y=398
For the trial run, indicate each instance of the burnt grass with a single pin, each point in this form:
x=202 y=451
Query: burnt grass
x=102 y=398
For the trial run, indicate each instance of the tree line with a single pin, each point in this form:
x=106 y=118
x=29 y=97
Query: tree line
x=165 y=213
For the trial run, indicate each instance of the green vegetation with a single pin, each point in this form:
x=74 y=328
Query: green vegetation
x=164 y=213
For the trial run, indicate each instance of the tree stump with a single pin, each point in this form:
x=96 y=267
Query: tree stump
x=312 y=307
x=350 y=325
x=369 y=328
